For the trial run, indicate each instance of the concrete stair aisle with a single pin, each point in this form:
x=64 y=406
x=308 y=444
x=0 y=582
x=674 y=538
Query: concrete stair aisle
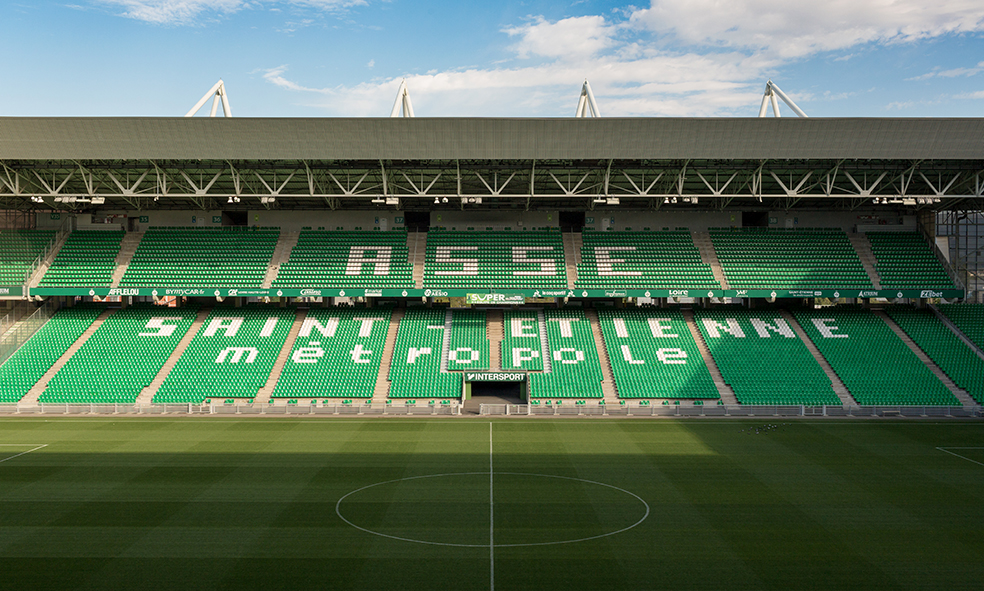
x=417 y=247
x=541 y=322
x=838 y=386
x=608 y=383
x=965 y=399
x=147 y=394
x=959 y=333
x=128 y=246
x=702 y=240
x=493 y=332
x=863 y=247
x=264 y=393
x=724 y=390
x=41 y=269
x=281 y=254
x=572 y=256
x=446 y=343
x=31 y=398
x=381 y=392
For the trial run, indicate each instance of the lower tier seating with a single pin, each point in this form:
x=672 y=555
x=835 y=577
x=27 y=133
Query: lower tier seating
x=29 y=363
x=762 y=359
x=653 y=355
x=415 y=371
x=969 y=318
x=875 y=365
x=955 y=358
x=231 y=356
x=575 y=366
x=337 y=354
x=469 y=347
x=122 y=357
x=521 y=348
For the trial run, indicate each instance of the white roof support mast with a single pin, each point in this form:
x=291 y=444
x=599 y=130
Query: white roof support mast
x=216 y=93
x=586 y=105
x=771 y=92
x=402 y=100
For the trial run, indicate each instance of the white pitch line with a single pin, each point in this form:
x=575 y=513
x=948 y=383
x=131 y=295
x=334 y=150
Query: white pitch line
x=491 y=518
x=945 y=450
x=23 y=452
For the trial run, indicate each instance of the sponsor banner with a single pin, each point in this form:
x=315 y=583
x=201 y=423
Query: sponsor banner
x=11 y=291
x=496 y=299
x=494 y=376
x=846 y=293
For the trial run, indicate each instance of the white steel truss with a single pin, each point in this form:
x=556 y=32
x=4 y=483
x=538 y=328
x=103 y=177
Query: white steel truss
x=218 y=94
x=402 y=101
x=586 y=104
x=771 y=92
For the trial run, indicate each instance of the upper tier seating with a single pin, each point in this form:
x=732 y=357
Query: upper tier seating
x=201 y=257
x=29 y=363
x=337 y=354
x=87 y=259
x=969 y=318
x=575 y=366
x=497 y=260
x=762 y=359
x=19 y=249
x=905 y=260
x=415 y=371
x=875 y=365
x=469 y=347
x=122 y=357
x=955 y=358
x=649 y=260
x=348 y=259
x=230 y=356
x=520 y=345
x=654 y=355
x=758 y=258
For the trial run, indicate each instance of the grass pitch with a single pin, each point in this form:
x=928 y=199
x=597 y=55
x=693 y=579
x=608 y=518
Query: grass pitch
x=199 y=503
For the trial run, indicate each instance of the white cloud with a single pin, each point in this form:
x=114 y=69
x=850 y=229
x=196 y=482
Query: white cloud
x=794 y=29
x=694 y=58
x=189 y=12
x=569 y=38
x=970 y=95
x=952 y=73
x=371 y=64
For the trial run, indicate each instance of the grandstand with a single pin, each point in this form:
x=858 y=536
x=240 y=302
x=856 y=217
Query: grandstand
x=609 y=263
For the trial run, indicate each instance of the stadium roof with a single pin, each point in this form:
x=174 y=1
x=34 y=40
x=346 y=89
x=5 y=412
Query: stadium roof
x=245 y=163
x=478 y=138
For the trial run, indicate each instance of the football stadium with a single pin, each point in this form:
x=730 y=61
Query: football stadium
x=480 y=353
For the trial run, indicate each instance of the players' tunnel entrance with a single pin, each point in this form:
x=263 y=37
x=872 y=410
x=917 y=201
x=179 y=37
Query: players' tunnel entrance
x=507 y=386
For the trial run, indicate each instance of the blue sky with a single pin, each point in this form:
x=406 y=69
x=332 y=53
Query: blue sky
x=345 y=58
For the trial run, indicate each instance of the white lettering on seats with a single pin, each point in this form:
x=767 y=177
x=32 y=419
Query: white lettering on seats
x=672 y=356
x=659 y=331
x=605 y=262
x=163 y=330
x=522 y=327
x=518 y=358
x=620 y=330
x=780 y=327
x=442 y=256
x=357 y=258
x=229 y=325
x=565 y=326
x=358 y=352
x=627 y=355
x=473 y=355
x=827 y=331
x=548 y=267
x=268 y=326
x=413 y=353
x=558 y=355
x=308 y=354
x=326 y=330
x=237 y=354
x=365 y=329
x=712 y=327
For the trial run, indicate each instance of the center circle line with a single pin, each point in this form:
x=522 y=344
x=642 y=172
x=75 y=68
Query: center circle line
x=338 y=511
